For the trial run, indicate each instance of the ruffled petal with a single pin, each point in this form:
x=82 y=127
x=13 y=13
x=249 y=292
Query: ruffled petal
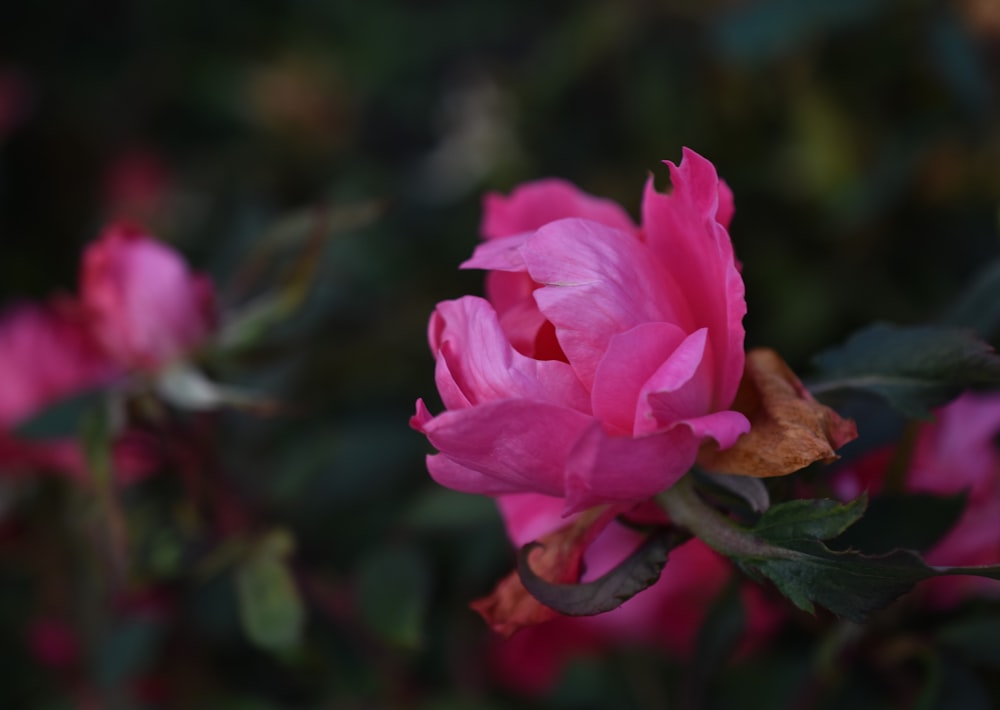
x=685 y=229
x=630 y=360
x=598 y=282
x=724 y=427
x=680 y=388
x=537 y=203
x=615 y=469
x=529 y=516
x=499 y=254
x=451 y=474
x=518 y=446
x=477 y=364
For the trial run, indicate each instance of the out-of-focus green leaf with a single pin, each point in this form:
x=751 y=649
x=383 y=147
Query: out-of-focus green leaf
x=444 y=509
x=635 y=573
x=914 y=368
x=271 y=610
x=393 y=588
x=910 y=521
x=761 y=31
x=975 y=637
x=186 y=387
x=127 y=650
x=61 y=420
x=978 y=307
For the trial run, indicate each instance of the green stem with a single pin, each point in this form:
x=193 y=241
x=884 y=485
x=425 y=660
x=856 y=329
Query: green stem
x=687 y=510
x=988 y=571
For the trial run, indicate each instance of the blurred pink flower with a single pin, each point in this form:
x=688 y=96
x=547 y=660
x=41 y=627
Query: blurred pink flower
x=53 y=643
x=145 y=307
x=16 y=98
x=46 y=355
x=606 y=355
x=956 y=453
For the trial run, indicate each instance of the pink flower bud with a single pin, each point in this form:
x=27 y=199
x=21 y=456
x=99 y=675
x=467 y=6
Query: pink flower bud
x=145 y=307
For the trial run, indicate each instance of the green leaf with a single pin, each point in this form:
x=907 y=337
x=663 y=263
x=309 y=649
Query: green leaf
x=393 y=590
x=441 y=509
x=635 y=573
x=912 y=521
x=127 y=650
x=847 y=583
x=271 y=611
x=913 y=368
x=809 y=519
x=978 y=307
x=61 y=420
x=785 y=547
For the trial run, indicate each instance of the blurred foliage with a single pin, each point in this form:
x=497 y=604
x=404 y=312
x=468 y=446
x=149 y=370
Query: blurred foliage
x=860 y=138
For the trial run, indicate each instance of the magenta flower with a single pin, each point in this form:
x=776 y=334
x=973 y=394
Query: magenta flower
x=606 y=355
x=46 y=354
x=146 y=308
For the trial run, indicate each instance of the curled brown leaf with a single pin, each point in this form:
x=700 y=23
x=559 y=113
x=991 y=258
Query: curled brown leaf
x=789 y=429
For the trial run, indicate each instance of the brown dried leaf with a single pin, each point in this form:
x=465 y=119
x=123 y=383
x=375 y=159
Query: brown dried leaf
x=788 y=428
x=558 y=558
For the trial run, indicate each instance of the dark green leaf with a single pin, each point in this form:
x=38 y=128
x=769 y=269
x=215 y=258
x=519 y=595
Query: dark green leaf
x=444 y=509
x=638 y=571
x=912 y=521
x=978 y=307
x=847 y=583
x=61 y=420
x=127 y=650
x=914 y=368
x=808 y=519
x=393 y=589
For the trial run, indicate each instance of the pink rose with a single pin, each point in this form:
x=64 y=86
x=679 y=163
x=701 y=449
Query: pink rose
x=668 y=615
x=47 y=355
x=146 y=308
x=606 y=355
x=954 y=454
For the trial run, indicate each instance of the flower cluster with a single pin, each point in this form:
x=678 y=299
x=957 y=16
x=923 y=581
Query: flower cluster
x=139 y=309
